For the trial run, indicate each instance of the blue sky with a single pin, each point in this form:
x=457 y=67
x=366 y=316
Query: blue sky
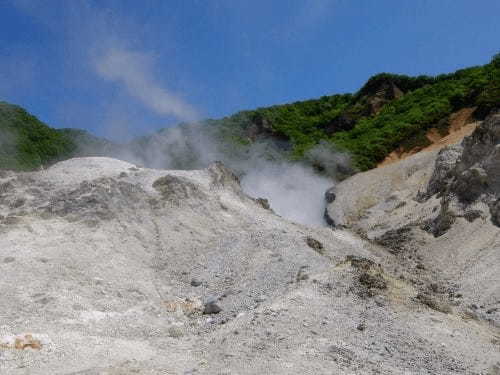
x=123 y=68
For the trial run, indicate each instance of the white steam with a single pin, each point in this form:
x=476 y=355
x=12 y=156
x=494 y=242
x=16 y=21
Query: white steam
x=293 y=190
x=103 y=40
x=134 y=71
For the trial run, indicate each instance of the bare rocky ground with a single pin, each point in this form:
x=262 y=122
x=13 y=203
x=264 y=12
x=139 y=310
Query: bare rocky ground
x=108 y=268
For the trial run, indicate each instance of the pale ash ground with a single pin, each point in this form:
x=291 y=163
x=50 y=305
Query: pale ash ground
x=100 y=267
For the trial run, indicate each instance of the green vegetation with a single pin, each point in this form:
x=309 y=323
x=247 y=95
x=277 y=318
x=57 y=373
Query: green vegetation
x=26 y=143
x=389 y=112
x=404 y=122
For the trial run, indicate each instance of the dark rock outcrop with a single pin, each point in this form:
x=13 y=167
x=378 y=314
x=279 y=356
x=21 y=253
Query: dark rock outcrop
x=385 y=93
x=470 y=172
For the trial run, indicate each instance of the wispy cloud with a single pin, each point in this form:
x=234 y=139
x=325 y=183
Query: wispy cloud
x=132 y=87
x=134 y=70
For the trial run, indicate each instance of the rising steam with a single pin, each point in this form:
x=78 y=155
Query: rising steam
x=294 y=190
x=134 y=70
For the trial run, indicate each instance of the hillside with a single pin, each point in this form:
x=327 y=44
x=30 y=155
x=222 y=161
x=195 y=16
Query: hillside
x=111 y=268
x=27 y=143
x=390 y=112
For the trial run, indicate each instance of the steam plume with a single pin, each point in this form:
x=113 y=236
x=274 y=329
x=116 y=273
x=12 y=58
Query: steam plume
x=295 y=190
x=134 y=71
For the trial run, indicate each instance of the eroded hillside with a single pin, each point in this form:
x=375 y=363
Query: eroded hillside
x=110 y=268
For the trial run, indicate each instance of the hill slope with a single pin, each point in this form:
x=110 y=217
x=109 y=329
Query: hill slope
x=27 y=143
x=112 y=268
x=390 y=112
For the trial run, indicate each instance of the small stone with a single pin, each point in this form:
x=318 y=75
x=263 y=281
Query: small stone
x=264 y=203
x=330 y=195
x=9 y=259
x=195 y=282
x=302 y=276
x=315 y=245
x=45 y=300
x=211 y=308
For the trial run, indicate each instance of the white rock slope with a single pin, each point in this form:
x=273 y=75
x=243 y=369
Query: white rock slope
x=107 y=268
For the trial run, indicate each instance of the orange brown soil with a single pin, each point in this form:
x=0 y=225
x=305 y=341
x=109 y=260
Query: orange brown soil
x=461 y=125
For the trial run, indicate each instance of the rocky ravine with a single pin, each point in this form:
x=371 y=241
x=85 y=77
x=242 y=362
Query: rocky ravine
x=108 y=268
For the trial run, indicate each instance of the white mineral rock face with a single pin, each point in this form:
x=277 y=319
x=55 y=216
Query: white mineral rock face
x=107 y=268
x=436 y=211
